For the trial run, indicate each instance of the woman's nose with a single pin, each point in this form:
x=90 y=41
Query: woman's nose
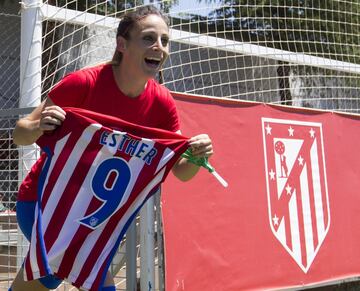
x=159 y=45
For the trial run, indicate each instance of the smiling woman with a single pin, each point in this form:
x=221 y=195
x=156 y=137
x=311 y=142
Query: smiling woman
x=143 y=50
x=124 y=88
x=143 y=43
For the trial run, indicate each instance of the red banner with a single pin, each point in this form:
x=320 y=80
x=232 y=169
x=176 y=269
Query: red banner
x=290 y=215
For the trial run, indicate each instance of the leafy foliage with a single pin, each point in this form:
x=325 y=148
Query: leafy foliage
x=325 y=28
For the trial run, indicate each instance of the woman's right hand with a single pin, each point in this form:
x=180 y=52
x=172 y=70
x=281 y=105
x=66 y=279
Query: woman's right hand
x=44 y=118
x=51 y=117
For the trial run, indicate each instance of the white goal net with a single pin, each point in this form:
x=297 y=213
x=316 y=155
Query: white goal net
x=296 y=53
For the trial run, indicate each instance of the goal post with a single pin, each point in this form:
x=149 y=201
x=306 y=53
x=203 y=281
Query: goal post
x=30 y=91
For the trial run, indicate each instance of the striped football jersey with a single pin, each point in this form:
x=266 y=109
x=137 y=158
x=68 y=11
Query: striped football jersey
x=98 y=172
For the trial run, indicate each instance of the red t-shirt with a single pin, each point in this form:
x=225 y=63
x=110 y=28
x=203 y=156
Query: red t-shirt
x=95 y=89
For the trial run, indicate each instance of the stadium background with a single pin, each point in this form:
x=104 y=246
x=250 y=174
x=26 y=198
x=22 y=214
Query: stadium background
x=295 y=53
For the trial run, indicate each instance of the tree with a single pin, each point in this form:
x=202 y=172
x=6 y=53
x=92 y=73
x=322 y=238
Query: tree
x=324 y=28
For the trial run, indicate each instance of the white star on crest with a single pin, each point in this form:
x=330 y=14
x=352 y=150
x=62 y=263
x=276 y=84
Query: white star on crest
x=268 y=129
x=276 y=220
x=288 y=189
x=272 y=175
x=291 y=131
x=301 y=160
x=312 y=132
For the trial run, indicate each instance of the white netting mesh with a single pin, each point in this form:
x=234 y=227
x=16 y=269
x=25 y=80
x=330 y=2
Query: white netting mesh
x=10 y=60
x=9 y=98
x=302 y=53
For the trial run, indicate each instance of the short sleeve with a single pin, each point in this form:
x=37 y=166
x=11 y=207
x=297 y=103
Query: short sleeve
x=71 y=90
x=170 y=118
x=174 y=123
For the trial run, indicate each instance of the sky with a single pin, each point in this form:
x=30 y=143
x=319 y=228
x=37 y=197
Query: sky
x=192 y=6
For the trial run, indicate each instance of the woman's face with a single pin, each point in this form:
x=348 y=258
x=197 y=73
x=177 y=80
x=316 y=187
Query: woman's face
x=147 y=48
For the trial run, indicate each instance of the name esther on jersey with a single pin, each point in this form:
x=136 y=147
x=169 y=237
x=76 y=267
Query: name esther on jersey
x=126 y=144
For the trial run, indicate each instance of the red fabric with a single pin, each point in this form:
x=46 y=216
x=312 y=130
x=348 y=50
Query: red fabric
x=220 y=238
x=95 y=89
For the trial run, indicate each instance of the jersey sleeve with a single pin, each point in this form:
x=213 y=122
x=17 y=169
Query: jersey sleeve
x=71 y=90
x=170 y=120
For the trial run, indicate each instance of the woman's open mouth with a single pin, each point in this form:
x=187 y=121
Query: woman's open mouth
x=153 y=62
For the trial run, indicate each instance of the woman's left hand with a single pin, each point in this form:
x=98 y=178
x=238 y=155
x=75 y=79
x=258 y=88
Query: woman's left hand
x=201 y=146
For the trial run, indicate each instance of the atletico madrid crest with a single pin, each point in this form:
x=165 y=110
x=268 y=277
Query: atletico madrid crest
x=298 y=202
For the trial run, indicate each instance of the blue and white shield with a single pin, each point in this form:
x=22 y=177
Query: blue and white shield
x=298 y=202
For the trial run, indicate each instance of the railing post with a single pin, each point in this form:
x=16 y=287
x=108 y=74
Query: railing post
x=147 y=245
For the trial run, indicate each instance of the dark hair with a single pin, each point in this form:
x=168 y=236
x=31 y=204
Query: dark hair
x=128 y=21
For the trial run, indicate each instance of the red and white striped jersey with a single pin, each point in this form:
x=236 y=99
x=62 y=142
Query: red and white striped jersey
x=99 y=172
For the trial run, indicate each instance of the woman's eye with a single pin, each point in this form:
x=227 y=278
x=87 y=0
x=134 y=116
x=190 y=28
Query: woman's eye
x=164 y=41
x=148 y=39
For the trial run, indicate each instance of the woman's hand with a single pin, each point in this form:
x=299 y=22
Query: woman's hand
x=46 y=117
x=51 y=117
x=201 y=146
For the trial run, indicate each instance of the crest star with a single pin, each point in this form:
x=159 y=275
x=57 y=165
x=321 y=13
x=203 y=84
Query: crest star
x=272 y=175
x=288 y=189
x=275 y=220
x=301 y=160
x=268 y=129
x=291 y=131
x=312 y=132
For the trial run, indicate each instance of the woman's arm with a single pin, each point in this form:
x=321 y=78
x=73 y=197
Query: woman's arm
x=45 y=117
x=201 y=146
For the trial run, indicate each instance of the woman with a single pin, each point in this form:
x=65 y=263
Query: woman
x=123 y=88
